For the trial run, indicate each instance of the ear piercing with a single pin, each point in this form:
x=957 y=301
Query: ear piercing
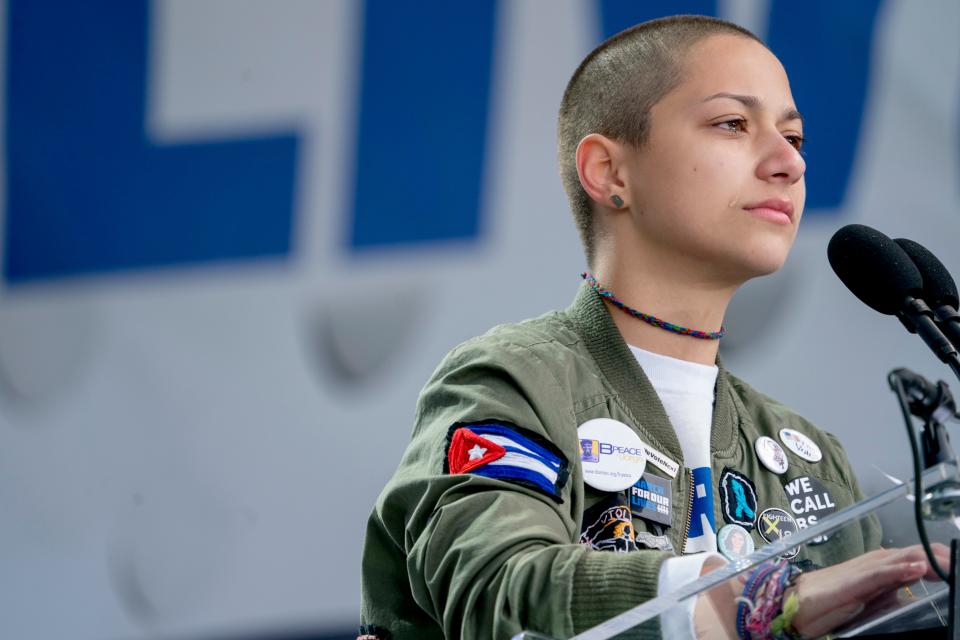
x=617 y=201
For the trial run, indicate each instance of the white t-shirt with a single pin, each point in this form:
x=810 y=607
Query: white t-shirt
x=686 y=390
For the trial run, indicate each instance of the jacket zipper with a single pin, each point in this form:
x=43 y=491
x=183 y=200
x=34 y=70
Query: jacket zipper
x=686 y=523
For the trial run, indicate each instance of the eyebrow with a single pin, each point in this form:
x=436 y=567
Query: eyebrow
x=753 y=102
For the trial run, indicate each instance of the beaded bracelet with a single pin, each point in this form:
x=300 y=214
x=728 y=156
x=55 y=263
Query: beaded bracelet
x=762 y=613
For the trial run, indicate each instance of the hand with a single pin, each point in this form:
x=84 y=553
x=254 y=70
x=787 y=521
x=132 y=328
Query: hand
x=835 y=595
x=828 y=597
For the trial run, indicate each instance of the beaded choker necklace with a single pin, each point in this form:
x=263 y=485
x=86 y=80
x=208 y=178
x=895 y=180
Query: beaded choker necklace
x=651 y=320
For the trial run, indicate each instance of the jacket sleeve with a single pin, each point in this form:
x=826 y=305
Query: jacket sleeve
x=487 y=557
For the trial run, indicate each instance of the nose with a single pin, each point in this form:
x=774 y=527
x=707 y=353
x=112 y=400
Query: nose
x=780 y=160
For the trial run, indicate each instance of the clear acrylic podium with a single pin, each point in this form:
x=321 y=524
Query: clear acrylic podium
x=923 y=606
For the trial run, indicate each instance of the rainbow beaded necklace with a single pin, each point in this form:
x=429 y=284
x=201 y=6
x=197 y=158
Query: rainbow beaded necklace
x=651 y=320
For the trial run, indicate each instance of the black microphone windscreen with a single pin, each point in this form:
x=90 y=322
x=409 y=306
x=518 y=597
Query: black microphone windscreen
x=874 y=267
x=938 y=285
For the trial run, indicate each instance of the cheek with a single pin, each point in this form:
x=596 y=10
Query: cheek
x=685 y=185
x=801 y=197
x=708 y=186
x=706 y=168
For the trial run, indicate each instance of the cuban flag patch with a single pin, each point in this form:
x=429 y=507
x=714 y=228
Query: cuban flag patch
x=506 y=452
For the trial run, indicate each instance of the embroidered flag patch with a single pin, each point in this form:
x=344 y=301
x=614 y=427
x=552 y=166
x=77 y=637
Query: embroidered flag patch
x=468 y=451
x=506 y=452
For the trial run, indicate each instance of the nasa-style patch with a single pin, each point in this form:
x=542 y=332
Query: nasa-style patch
x=738 y=498
x=810 y=502
x=774 y=524
x=608 y=525
x=506 y=452
x=650 y=499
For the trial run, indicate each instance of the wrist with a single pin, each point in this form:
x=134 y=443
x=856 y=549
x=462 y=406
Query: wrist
x=782 y=625
x=768 y=604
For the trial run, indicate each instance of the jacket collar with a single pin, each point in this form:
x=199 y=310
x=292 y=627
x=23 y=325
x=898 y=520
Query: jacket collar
x=591 y=320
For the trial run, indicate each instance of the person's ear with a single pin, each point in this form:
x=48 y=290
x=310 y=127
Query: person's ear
x=598 y=165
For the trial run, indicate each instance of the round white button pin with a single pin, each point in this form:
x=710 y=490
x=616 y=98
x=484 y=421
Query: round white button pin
x=611 y=454
x=771 y=454
x=801 y=445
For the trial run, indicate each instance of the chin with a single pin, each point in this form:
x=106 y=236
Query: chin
x=764 y=265
x=775 y=255
x=761 y=260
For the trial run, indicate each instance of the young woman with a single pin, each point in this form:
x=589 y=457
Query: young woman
x=541 y=447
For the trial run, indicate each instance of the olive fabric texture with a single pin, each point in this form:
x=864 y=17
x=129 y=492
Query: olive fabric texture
x=476 y=557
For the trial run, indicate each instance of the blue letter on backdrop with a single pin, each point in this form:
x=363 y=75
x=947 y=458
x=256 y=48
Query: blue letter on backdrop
x=422 y=121
x=826 y=47
x=617 y=15
x=86 y=192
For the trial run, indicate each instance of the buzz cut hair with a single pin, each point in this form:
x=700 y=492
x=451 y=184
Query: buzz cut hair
x=614 y=89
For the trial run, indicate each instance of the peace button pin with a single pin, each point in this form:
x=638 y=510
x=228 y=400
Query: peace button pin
x=801 y=445
x=611 y=454
x=771 y=454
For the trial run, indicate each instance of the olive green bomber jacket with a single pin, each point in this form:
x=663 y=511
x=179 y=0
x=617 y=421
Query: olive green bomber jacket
x=467 y=556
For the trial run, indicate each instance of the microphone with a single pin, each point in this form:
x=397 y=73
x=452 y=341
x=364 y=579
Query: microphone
x=939 y=289
x=881 y=274
x=874 y=268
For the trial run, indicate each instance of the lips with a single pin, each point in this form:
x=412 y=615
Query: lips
x=773 y=208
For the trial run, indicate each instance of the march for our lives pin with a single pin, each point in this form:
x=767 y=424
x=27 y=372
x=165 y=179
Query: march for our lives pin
x=801 y=445
x=650 y=499
x=771 y=454
x=611 y=454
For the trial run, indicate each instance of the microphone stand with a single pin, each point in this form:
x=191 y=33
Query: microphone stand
x=917 y=317
x=948 y=319
x=936 y=449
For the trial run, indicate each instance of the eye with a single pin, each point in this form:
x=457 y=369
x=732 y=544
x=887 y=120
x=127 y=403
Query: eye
x=734 y=125
x=795 y=140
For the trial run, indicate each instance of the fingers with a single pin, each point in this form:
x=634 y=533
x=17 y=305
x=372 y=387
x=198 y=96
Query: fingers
x=916 y=553
x=834 y=595
x=841 y=585
x=888 y=577
x=942 y=553
x=832 y=598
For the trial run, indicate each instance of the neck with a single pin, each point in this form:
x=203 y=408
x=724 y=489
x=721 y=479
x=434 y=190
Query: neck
x=671 y=295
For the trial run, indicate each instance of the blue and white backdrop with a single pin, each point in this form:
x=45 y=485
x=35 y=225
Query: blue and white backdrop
x=239 y=234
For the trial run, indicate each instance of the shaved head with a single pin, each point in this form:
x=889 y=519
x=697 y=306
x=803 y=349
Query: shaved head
x=614 y=88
